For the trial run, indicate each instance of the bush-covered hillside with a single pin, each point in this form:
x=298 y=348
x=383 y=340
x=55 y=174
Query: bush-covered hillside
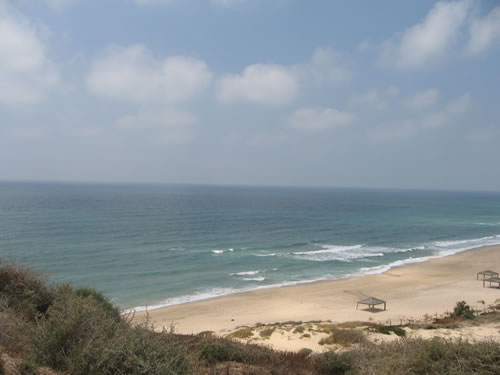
x=57 y=329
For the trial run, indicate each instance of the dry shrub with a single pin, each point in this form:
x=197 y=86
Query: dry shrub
x=243 y=333
x=14 y=332
x=436 y=356
x=24 y=290
x=343 y=337
x=266 y=333
x=81 y=337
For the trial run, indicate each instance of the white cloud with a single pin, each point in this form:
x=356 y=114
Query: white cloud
x=274 y=84
x=445 y=115
x=427 y=42
x=316 y=118
x=428 y=119
x=260 y=83
x=484 y=32
x=133 y=74
x=165 y=126
x=378 y=99
x=326 y=66
x=26 y=73
x=422 y=100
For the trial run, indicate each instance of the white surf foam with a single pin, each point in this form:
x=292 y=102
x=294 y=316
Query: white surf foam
x=254 y=278
x=438 y=249
x=211 y=293
x=265 y=255
x=246 y=273
x=461 y=245
x=340 y=253
x=218 y=251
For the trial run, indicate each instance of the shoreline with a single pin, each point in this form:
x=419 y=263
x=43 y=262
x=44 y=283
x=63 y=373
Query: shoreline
x=432 y=286
x=288 y=284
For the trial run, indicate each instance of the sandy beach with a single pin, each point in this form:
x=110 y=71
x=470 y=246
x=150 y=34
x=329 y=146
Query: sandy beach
x=431 y=287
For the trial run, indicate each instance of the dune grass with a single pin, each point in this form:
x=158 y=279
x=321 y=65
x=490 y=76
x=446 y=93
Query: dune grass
x=79 y=331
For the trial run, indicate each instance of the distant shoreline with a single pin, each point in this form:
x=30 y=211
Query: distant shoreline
x=384 y=269
x=413 y=290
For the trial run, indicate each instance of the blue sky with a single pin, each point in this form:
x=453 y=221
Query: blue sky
x=400 y=94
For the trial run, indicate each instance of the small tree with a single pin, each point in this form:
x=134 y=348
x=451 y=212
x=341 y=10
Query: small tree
x=464 y=310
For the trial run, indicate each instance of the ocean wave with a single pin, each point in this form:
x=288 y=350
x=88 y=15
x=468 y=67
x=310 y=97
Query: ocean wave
x=329 y=249
x=254 y=278
x=246 y=273
x=218 y=251
x=265 y=255
x=436 y=249
x=218 y=292
x=339 y=253
x=200 y=296
x=469 y=243
x=489 y=224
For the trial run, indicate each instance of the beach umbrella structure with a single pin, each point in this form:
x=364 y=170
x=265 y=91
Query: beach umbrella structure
x=492 y=280
x=486 y=274
x=371 y=302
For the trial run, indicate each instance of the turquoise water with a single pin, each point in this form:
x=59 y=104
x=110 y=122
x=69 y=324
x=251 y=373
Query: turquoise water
x=155 y=245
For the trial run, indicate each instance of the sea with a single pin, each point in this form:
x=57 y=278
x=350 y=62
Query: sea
x=154 y=245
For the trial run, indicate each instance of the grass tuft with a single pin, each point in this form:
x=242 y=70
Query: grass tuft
x=343 y=337
x=242 y=333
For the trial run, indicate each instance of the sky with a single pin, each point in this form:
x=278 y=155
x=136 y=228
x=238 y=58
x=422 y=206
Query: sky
x=370 y=94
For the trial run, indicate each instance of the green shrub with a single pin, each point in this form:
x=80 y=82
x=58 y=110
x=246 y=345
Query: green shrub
x=214 y=351
x=299 y=329
x=266 y=333
x=304 y=352
x=331 y=363
x=24 y=290
x=386 y=330
x=82 y=337
x=242 y=333
x=464 y=310
x=436 y=356
x=14 y=332
x=344 y=337
x=101 y=299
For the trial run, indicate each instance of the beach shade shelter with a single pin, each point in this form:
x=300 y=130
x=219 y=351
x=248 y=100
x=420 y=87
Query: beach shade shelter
x=371 y=302
x=492 y=280
x=487 y=274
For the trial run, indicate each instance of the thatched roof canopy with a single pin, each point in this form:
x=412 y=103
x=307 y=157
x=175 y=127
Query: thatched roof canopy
x=371 y=302
x=495 y=279
x=487 y=273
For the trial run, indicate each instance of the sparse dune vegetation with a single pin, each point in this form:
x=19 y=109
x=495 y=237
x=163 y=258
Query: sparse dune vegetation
x=57 y=329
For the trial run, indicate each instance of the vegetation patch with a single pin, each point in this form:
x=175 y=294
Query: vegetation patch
x=242 y=333
x=299 y=329
x=386 y=330
x=343 y=337
x=331 y=363
x=57 y=329
x=304 y=352
x=464 y=310
x=214 y=351
x=436 y=356
x=266 y=333
x=355 y=324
